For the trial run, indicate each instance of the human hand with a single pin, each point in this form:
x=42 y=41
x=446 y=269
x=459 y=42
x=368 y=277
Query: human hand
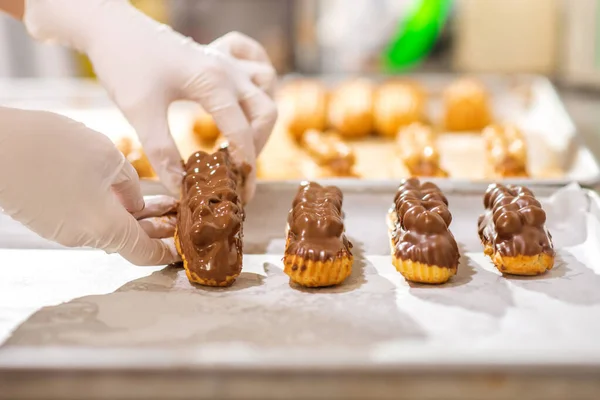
x=244 y=48
x=145 y=66
x=70 y=184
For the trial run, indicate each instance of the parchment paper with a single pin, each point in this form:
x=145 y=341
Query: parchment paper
x=86 y=299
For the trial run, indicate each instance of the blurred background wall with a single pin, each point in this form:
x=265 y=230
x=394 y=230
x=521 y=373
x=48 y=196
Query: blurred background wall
x=558 y=38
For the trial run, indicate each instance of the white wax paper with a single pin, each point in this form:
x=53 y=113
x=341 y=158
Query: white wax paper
x=86 y=299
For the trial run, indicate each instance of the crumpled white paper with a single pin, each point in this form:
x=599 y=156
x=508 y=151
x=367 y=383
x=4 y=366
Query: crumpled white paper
x=374 y=318
x=566 y=215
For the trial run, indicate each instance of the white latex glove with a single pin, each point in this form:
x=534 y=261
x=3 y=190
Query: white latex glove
x=244 y=48
x=71 y=185
x=145 y=66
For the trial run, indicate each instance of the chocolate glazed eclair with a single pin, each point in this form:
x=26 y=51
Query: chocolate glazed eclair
x=209 y=223
x=317 y=251
x=513 y=232
x=423 y=248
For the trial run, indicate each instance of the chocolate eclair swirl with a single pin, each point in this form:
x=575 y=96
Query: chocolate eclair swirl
x=209 y=223
x=514 y=222
x=420 y=232
x=316 y=225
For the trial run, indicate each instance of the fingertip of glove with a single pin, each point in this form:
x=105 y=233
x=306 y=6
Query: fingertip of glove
x=171 y=254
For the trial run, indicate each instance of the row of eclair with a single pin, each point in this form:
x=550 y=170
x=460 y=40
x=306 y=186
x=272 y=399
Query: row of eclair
x=359 y=107
x=321 y=120
x=395 y=109
x=318 y=253
x=417 y=148
x=505 y=148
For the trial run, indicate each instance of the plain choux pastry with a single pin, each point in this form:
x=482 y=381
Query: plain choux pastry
x=124 y=145
x=466 y=106
x=134 y=153
x=351 y=108
x=398 y=104
x=205 y=128
x=304 y=106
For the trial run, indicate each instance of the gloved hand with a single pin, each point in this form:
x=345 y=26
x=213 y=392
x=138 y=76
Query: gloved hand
x=70 y=184
x=244 y=48
x=145 y=66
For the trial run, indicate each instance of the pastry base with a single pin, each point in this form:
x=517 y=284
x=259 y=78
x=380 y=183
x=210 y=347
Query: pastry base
x=520 y=265
x=415 y=271
x=423 y=273
x=193 y=277
x=317 y=273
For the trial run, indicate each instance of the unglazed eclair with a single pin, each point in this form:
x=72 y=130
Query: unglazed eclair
x=135 y=155
x=317 y=251
x=513 y=231
x=397 y=104
x=466 y=106
x=423 y=248
x=205 y=128
x=506 y=151
x=351 y=108
x=418 y=151
x=304 y=106
x=329 y=151
x=209 y=232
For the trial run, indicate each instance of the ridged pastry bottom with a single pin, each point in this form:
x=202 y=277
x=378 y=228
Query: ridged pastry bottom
x=193 y=277
x=423 y=273
x=317 y=273
x=415 y=271
x=520 y=265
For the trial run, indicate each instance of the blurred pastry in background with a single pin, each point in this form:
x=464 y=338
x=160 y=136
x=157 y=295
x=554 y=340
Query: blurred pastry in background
x=506 y=151
x=328 y=150
x=205 y=128
x=466 y=106
x=418 y=151
x=124 y=145
x=398 y=104
x=135 y=155
x=140 y=162
x=351 y=108
x=304 y=106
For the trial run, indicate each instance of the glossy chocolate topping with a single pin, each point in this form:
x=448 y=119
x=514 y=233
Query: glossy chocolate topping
x=209 y=223
x=513 y=222
x=316 y=224
x=421 y=231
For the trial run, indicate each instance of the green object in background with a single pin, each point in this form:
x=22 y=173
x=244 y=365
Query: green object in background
x=416 y=35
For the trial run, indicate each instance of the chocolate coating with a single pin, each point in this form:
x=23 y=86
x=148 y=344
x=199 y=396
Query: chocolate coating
x=209 y=222
x=513 y=222
x=421 y=231
x=316 y=224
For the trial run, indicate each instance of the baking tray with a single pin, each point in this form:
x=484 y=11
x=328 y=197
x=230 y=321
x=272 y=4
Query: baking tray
x=531 y=101
x=555 y=154
x=93 y=324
